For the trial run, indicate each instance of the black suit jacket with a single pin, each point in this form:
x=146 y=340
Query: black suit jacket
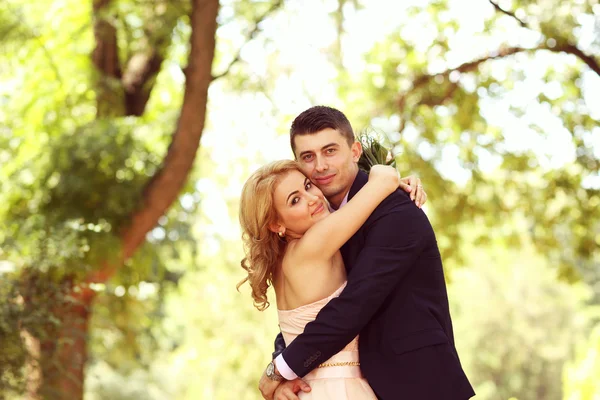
x=396 y=299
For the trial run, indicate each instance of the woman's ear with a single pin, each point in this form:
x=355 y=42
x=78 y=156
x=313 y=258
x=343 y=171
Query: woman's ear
x=276 y=227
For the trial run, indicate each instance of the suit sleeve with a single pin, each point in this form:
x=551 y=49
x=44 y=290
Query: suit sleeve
x=393 y=242
x=279 y=345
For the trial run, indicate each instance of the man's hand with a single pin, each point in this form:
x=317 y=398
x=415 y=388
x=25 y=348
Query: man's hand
x=288 y=390
x=267 y=386
x=412 y=184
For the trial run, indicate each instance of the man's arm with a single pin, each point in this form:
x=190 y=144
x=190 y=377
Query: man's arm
x=279 y=345
x=393 y=241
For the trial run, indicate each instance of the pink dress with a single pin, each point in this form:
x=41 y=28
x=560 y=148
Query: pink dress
x=327 y=382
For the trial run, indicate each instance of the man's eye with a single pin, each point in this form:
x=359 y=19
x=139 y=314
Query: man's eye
x=330 y=151
x=307 y=157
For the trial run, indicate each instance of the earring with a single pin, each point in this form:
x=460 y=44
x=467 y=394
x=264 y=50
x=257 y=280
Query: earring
x=281 y=234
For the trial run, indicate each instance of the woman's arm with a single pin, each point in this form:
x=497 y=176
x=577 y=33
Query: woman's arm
x=327 y=236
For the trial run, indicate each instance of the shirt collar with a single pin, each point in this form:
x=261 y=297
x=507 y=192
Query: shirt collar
x=342 y=204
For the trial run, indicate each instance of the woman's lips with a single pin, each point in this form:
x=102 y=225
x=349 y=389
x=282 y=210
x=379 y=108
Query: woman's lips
x=319 y=209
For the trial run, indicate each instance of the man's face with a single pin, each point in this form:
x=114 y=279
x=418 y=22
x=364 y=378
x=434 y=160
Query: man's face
x=330 y=163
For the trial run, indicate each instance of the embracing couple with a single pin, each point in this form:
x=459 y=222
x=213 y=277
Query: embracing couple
x=360 y=290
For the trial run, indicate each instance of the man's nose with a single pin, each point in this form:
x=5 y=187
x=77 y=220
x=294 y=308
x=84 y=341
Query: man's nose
x=321 y=165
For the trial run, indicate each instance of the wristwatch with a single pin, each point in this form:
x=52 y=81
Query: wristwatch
x=272 y=373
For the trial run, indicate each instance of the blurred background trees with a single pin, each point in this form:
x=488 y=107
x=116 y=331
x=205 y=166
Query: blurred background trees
x=84 y=185
x=119 y=246
x=484 y=107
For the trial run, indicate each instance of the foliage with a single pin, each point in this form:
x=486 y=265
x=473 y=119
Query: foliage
x=504 y=304
x=440 y=107
x=69 y=179
x=581 y=374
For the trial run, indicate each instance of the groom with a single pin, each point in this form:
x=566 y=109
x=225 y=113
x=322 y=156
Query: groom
x=396 y=293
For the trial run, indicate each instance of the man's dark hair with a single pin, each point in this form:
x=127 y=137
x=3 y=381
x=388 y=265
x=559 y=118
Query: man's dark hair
x=318 y=118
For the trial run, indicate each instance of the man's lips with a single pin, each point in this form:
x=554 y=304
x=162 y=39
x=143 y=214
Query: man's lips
x=319 y=209
x=324 y=180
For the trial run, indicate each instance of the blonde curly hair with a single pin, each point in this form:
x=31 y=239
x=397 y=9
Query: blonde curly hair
x=264 y=249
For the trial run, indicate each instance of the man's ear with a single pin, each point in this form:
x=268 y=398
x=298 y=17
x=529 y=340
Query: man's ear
x=356 y=150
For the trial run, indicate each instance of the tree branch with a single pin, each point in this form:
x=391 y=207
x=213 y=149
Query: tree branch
x=105 y=58
x=502 y=53
x=509 y=13
x=136 y=79
x=463 y=68
x=251 y=35
x=577 y=52
x=105 y=55
x=141 y=69
x=569 y=48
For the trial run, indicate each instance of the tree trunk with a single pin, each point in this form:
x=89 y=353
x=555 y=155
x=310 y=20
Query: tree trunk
x=66 y=371
x=59 y=351
x=63 y=348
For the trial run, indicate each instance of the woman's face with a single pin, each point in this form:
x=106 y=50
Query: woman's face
x=299 y=204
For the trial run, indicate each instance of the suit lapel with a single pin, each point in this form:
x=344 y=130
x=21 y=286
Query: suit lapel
x=351 y=248
x=361 y=179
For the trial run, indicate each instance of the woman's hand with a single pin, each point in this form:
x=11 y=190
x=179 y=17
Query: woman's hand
x=388 y=179
x=412 y=184
x=385 y=177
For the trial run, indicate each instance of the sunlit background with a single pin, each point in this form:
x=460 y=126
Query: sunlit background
x=495 y=106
